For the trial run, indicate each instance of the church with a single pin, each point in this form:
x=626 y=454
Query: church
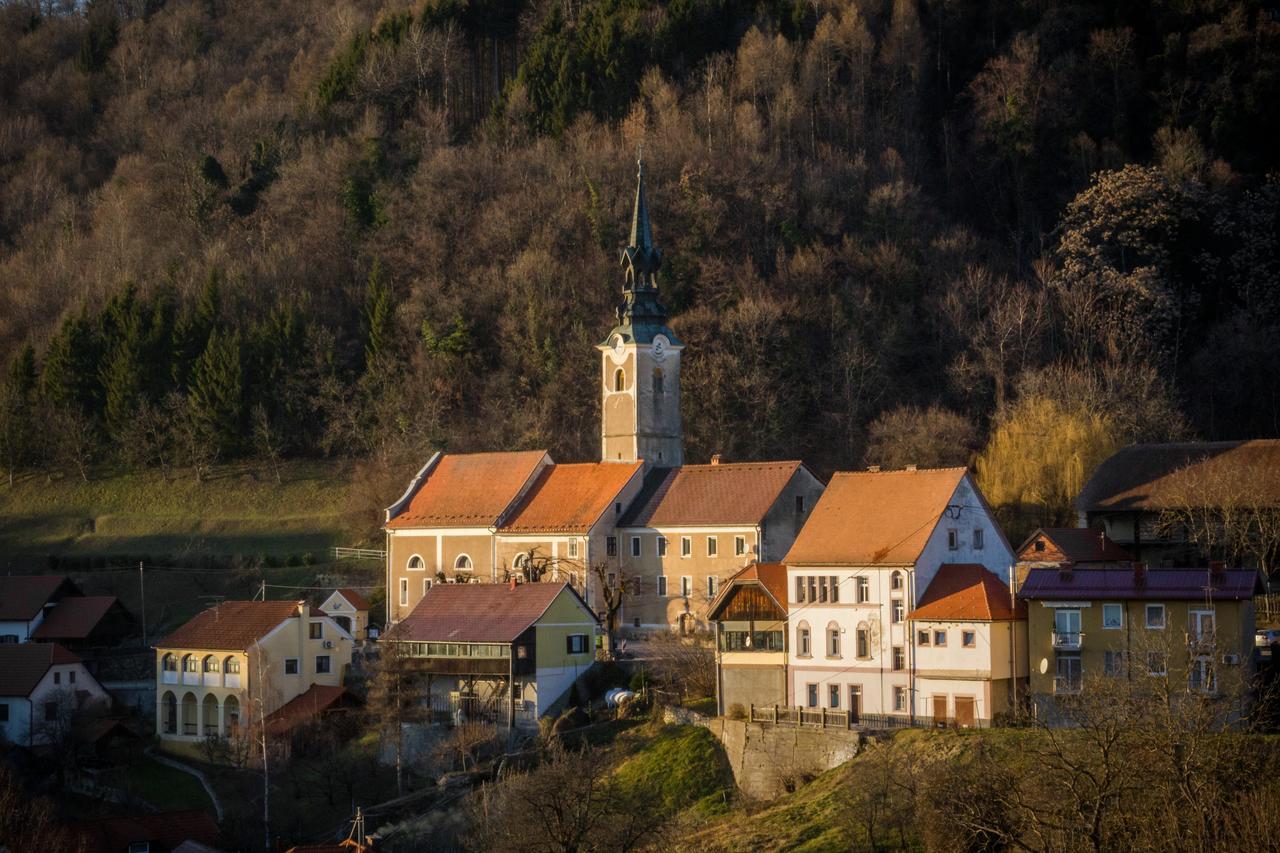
x=639 y=532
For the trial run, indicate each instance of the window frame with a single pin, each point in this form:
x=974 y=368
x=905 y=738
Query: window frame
x=833 y=696
x=804 y=641
x=940 y=632
x=611 y=546
x=862 y=589
x=686 y=586
x=811 y=694
x=315 y=630
x=404 y=592
x=662 y=546
x=576 y=644
x=898 y=612
x=739 y=546
x=979 y=538
x=328 y=664
x=898 y=659
x=924 y=637
x=460 y=560
x=862 y=642
x=968 y=638
x=686 y=547
x=1119 y=626
x=636 y=549
x=899 y=698
x=297 y=666
x=712 y=584
x=833 y=641
x=1146 y=617
x=713 y=546
x=573 y=548
x=421 y=564
x=953 y=539
x=662 y=586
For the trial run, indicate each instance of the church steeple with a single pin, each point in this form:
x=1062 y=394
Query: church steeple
x=641 y=315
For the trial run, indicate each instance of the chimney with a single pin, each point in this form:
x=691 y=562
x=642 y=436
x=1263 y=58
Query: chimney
x=715 y=458
x=874 y=469
x=1065 y=570
x=1139 y=573
x=513 y=583
x=910 y=467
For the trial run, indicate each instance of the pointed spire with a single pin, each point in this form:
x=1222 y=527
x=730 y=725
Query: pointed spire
x=641 y=230
x=641 y=258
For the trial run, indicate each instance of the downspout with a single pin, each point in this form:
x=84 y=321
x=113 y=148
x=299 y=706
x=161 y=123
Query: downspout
x=719 y=673
x=911 y=644
x=387 y=545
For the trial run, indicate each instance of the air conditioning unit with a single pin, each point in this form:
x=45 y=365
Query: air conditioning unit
x=328 y=644
x=1231 y=660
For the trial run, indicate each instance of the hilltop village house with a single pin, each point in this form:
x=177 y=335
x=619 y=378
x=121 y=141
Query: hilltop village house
x=750 y=619
x=505 y=652
x=42 y=688
x=1164 y=503
x=1191 y=629
x=884 y=548
x=242 y=658
x=659 y=534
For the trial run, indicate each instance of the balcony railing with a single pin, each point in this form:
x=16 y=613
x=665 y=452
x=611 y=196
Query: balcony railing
x=1067 y=684
x=1067 y=639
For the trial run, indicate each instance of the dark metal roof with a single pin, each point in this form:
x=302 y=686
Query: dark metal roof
x=76 y=617
x=22 y=666
x=478 y=612
x=1156 y=584
x=641 y=317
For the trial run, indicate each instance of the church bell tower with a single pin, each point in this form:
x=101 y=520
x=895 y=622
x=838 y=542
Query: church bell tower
x=640 y=360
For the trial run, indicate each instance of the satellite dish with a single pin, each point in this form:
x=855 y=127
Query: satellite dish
x=1044 y=665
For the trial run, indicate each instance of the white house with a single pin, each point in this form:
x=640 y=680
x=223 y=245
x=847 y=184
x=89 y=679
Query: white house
x=350 y=610
x=42 y=687
x=26 y=599
x=873 y=545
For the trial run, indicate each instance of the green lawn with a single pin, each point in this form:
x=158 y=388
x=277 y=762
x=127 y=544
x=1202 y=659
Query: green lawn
x=237 y=510
x=165 y=787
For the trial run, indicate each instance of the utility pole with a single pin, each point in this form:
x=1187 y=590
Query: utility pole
x=142 y=588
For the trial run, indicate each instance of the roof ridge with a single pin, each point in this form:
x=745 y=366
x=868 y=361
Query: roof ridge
x=964 y=468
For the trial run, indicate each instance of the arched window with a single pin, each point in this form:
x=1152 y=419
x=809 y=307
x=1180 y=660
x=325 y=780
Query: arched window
x=231 y=714
x=416 y=564
x=233 y=666
x=804 y=647
x=619 y=380
x=190 y=664
x=462 y=564
x=169 y=663
x=211 y=664
x=169 y=713
x=863 y=639
x=895 y=581
x=833 y=640
x=521 y=563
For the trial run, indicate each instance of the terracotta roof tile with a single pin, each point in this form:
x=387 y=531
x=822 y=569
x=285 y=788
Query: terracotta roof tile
x=869 y=518
x=476 y=612
x=1156 y=584
x=309 y=704
x=1077 y=544
x=355 y=599
x=966 y=592
x=469 y=490
x=231 y=626
x=1156 y=476
x=570 y=498
x=708 y=495
x=771 y=576
x=165 y=829
x=22 y=596
x=23 y=665
x=74 y=617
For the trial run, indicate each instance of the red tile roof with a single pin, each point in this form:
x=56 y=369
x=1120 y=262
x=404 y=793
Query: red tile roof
x=469 y=490
x=23 y=665
x=74 y=617
x=771 y=576
x=1161 y=476
x=875 y=518
x=570 y=498
x=477 y=612
x=164 y=829
x=306 y=706
x=22 y=596
x=709 y=495
x=966 y=592
x=1076 y=544
x=232 y=625
x=355 y=599
x=1155 y=585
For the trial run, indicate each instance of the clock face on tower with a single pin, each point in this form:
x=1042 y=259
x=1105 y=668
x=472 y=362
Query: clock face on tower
x=660 y=348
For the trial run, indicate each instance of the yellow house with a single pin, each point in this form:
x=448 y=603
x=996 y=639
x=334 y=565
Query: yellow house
x=350 y=610
x=1190 y=628
x=239 y=661
x=508 y=652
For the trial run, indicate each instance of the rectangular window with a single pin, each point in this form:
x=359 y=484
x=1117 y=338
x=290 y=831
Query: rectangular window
x=662 y=585
x=953 y=539
x=290 y=666
x=812 y=690
x=1156 y=663
x=863 y=638
x=637 y=585
x=799 y=589
x=576 y=644
x=635 y=546
x=1113 y=663
x=404 y=592
x=833 y=642
x=834 y=583
x=1069 y=676
x=686 y=585
x=813 y=588
x=977 y=538
x=50 y=711
x=317 y=630
x=833 y=695
x=899 y=659
x=1112 y=616
x=895 y=582
x=573 y=548
x=686 y=546
x=71 y=676
x=662 y=546
x=922 y=637
x=899 y=611
x=802 y=642
x=611 y=546
x=739 y=546
x=1155 y=616
x=968 y=639
x=713 y=547
x=57 y=678
x=322 y=664
x=863 y=590
x=4 y=712
x=711 y=587
x=426 y=585
x=939 y=638
x=900 y=699
x=822 y=589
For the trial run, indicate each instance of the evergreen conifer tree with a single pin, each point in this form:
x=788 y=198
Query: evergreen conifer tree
x=216 y=393
x=69 y=378
x=192 y=331
x=377 y=316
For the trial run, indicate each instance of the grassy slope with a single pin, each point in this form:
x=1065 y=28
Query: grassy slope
x=238 y=510
x=167 y=788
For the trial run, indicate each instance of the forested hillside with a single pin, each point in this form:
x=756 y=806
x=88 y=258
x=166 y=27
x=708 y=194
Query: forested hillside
x=894 y=230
